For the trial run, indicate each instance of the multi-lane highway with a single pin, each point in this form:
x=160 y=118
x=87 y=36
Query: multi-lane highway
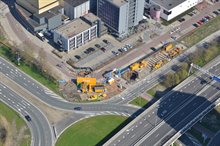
x=168 y=114
x=42 y=134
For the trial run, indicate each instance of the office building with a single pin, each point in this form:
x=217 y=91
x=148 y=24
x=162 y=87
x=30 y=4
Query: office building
x=78 y=32
x=121 y=16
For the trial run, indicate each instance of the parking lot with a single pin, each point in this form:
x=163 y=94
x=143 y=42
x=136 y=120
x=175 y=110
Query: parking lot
x=97 y=52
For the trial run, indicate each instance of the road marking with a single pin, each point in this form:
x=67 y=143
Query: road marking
x=133 y=136
x=157 y=135
x=145 y=125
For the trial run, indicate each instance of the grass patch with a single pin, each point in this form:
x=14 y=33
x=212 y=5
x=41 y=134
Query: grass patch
x=31 y=70
x=11 y=115
x=90 y=132
x=157 y=91
x=202 y=32
x=166 y=23
x=139 y=101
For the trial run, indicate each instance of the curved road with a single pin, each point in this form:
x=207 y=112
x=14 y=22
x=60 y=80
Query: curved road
x=39 y=125
x=50 y=98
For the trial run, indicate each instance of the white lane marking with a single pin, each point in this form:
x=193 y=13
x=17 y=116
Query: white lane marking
x=133 y=136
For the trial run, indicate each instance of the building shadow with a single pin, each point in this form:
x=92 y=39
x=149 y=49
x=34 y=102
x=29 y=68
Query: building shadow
x=175 y=112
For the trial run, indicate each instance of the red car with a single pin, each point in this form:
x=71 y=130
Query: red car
x=200 y=22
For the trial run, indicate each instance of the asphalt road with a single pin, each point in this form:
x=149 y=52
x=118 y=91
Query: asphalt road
x=51 y=99
x=170 y=107
x=40 y=128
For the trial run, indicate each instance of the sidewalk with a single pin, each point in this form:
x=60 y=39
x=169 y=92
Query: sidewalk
x=145 y=49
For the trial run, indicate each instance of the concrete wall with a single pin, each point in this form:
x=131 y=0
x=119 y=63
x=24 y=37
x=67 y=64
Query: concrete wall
x=54 y=22
x=123 y=20
x=76 y=12
x=81 y=10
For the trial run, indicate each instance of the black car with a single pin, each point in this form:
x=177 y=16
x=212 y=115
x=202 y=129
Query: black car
x=77 y=57
x=86 y=51
x=154 y=49
x=106 y=41
x=181 y=19
x=97 y=46
x=103 y=49
x=91 y=49
x=28 y=118
x=77 y=108
x=216 y=13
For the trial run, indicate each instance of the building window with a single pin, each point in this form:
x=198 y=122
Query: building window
x=167 y=12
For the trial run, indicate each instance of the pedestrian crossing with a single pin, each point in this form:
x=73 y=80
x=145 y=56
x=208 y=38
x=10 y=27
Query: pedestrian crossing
x=108 y=113
x=52 y=94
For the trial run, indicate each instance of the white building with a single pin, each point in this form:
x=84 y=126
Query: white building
x=76 y=8
x=77 y=32
x=172 y=8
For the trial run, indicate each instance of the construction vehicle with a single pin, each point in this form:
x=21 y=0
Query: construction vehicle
x=99 y=89
x=88 y=85
x=143 y=64
x=158 y=64
x=97 y=97
x=139 y=65
x=168 y=47
x=134 y=66
x=174 y=52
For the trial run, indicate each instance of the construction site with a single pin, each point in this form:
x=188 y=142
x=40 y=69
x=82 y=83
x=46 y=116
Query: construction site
x=115 y=81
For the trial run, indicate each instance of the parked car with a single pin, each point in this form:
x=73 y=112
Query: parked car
x=207 y=17
x=106 y=41
x=199 y=22
x=215 y=12
x=121 y=50
x=87 y=51
x=97 y=46
x=204 y=20
x=181 y=19
x=91 y=49
x=195 y=25
x=103 y=49
x=77 y=57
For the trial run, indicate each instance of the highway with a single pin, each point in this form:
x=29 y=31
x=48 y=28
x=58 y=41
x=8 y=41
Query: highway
x=40 y=128
x=171 y=108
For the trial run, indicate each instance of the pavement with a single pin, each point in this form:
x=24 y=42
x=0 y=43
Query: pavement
x=141 y=51
x=166 y=115
x=41 y=131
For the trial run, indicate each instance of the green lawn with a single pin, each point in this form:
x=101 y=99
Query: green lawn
x=30 y=70
x=202 y=32
x=156 y=91
x=139 y=101
x=91 y=131
x=11 y=115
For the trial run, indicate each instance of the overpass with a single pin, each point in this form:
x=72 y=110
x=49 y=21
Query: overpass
x=173 y=114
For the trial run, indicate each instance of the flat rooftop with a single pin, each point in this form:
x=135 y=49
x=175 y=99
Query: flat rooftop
x=75 y=3
x=118 y=3
x=168 y=4
x=72 y=28
x=91 y=17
